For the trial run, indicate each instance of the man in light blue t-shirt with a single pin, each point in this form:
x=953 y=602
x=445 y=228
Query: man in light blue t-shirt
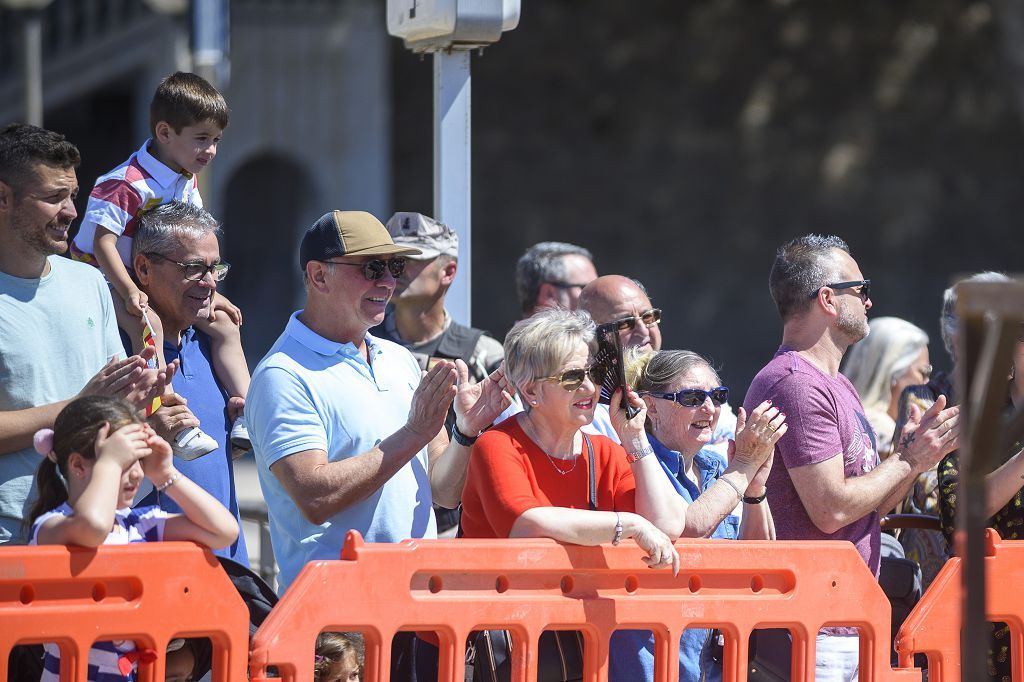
x=58 y=337
x=346 y=433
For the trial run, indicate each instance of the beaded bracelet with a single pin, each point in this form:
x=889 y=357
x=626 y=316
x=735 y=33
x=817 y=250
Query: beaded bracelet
x=169 y=482
x=618 y=529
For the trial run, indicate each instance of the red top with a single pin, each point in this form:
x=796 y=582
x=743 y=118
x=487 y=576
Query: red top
x=509 y=474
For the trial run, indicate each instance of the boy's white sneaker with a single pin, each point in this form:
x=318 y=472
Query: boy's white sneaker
x=239 y=435
x=193 y=443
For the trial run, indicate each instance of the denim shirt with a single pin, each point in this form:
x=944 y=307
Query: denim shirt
x=633 y=657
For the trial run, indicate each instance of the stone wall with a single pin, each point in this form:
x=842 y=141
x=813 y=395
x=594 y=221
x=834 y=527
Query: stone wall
x=683 y=142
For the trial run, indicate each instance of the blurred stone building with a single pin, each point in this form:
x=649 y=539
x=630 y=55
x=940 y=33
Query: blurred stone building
x=681 y=142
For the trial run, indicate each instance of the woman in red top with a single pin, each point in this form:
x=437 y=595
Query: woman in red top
x=530 y=475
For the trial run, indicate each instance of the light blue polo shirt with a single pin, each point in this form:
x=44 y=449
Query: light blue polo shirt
x=311 y=393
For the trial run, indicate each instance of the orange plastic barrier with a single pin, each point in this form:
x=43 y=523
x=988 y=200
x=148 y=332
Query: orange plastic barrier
x=933 y=627
x=150 y=593
x=452 y=587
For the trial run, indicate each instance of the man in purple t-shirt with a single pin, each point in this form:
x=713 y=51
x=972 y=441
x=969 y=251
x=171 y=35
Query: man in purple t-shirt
x=827 y=483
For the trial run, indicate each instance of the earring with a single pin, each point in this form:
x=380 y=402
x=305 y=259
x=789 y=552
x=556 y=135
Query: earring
x=533 y=402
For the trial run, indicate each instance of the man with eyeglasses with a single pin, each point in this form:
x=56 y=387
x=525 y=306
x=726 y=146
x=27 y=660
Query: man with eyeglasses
x=552 y=275
x=58 y=335
x=176 y=260
x=347 y=433
x=623 y=303
x=827 y=482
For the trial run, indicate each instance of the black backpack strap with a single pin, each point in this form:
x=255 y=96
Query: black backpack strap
x=592 y=497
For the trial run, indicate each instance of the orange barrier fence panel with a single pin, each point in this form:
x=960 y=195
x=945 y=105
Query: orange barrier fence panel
x=933 y=627
x=149 y=593
x=453 y=587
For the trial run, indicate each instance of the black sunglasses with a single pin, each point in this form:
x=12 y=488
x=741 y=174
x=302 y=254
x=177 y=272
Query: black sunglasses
x=195 y=271
x=649 y=319
x=374 y=269
x=694 y=397
x=864 y=292
x=571 y=379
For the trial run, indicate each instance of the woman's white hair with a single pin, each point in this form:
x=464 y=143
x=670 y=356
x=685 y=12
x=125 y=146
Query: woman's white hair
x=876 y=361
x=948 y=323
x=539 y=345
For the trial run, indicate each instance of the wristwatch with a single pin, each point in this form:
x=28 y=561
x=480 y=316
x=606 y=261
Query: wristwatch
x=639 y=454
x=461 y=438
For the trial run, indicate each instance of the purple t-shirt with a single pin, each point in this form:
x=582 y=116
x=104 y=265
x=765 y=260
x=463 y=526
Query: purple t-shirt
x=825 y=418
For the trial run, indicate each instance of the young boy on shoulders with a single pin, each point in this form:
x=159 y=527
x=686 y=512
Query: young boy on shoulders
x=187 y=119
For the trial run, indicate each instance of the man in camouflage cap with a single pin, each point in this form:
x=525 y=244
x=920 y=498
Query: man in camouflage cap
x=416 y=317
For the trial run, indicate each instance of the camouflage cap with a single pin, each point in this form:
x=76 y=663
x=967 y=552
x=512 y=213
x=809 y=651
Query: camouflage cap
x=431 y=237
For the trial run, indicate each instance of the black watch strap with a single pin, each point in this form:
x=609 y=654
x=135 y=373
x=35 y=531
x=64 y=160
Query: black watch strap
x=755 y=500
x=461 y=438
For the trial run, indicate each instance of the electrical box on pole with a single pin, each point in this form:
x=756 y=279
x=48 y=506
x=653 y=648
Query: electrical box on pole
x=450 y=29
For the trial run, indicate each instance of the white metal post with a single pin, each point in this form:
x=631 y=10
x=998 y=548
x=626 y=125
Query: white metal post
x=452 y=168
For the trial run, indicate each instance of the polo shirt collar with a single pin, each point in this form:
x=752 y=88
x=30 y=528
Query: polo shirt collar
x=322 y=345
x=163 y=175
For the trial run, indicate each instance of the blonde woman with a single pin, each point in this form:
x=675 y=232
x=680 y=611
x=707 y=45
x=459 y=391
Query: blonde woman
x=894 y=355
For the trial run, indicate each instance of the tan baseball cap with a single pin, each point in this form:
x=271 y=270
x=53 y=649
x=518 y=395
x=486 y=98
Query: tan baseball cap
x=348 y=233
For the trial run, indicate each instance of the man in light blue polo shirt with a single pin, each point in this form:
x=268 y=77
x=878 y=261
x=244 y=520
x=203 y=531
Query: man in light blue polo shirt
x=347 y=432
x=346 y=436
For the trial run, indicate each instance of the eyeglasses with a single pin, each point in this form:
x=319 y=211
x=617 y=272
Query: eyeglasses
x=374 y=269
x=567 y=285
x=694 y=397
x=196 y=271
x=650 y=318
x=925 y=371
x=571 y=379
x=864 y=292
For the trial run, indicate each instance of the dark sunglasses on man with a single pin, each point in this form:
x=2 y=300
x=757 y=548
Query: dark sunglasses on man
x=694 y=397
x=195 y=271
x=374 y=269
x=864 y=292
x=649 y=319
x=571 y=379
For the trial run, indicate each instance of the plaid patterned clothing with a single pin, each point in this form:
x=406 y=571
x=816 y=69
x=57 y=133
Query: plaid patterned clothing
x=108 y=661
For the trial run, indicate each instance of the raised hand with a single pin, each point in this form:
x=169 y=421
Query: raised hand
x=137 y=302
x=927 y=438
x=630 y=431
x=431 y=400
x=124 y=447
x=478 y=405
x=116 y=378
x=158 y=467
x=756 y=438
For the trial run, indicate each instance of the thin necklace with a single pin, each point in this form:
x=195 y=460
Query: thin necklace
x=563 y=472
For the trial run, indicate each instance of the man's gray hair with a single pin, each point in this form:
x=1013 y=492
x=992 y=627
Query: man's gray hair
x=162 y=229
x=542 y=263
x=801 y=267
x=948 y=322
x=538 y=346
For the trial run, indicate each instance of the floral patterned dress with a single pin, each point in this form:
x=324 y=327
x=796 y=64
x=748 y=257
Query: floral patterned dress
x=1008 y=522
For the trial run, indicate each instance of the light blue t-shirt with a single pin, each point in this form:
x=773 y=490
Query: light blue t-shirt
x=56 y=333
x=311 y=393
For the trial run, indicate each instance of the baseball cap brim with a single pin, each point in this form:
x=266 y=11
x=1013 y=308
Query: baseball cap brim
x=386 y=250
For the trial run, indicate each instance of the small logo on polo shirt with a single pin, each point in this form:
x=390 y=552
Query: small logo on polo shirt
x=90 y=323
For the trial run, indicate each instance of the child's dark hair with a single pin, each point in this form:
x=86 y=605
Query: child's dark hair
x=185 y=99
x=332 y=647
x=75 y=431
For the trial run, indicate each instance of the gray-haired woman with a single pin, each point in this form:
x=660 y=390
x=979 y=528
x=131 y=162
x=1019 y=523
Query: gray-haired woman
x=531 y=476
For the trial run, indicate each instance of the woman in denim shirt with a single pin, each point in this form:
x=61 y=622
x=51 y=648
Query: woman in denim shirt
x=684 y=396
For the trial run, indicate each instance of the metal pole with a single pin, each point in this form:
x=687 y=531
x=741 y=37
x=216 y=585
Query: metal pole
x=452 y=199
x=32 y=35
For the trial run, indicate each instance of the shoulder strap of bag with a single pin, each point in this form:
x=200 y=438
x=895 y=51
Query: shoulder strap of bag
x=592 y=497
